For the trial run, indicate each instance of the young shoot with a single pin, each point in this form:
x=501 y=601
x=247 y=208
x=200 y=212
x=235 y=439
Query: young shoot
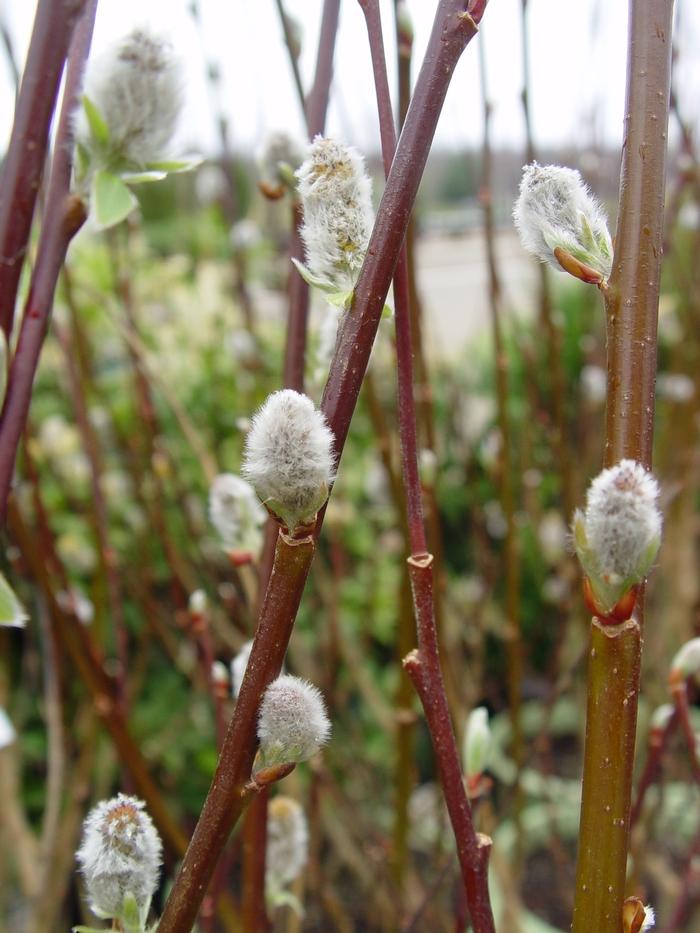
x=132 y=102
x=293 y=724
x=336 y=195
x=279 y=157
x=287 y=845
x=237 y=515
x=561 y=223
x=119 y=857
x=288 y=457
x=617 y=537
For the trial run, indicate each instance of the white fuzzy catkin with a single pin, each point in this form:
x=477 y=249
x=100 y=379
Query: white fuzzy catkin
x=292 y=723
x=618 y=535
x=556 y=209
x=288 y=456
x=336 y=195
x=287 y=842
x=137 y=87
x=120 y=854
x=279 y=156
x=236 y=514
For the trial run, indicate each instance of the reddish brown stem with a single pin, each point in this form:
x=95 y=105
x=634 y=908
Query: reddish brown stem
x=453 y=29
x=424 y=666
x=225 y=803
x=64 y=216
x=54 y=23
x=658 y=740
x=254 y=845
x=680 y=701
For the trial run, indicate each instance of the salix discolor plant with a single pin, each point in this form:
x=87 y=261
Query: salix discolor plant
x=130 y=108
x=119 y=858
x=336 y=196
x=288 y=458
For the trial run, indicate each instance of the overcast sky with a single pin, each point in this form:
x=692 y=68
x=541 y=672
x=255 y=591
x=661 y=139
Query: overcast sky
x=577 y=61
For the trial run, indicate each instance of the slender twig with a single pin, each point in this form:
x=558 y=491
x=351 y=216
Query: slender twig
x=64 y=216
x=513 y=634
x=107 y=554
x=631 y=314
x=454 y=27
x=24 y=161
x=679 y=692
x=293 y=57
x=423 y=666
x=658 y=740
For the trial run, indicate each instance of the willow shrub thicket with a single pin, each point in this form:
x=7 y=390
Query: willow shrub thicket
x=198 y=728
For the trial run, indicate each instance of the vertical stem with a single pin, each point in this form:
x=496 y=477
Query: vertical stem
x=64 y=216
x=225 y=802
x=423 y=666
x=24 y=161
x=453 y=29
x=632 y=312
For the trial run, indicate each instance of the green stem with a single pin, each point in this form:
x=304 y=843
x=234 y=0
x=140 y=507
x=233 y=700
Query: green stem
x=611 y=722
x=632 y=312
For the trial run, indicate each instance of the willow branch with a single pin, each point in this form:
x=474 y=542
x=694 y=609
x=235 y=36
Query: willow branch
x=423 y=666
x=54 y=23
x=631 y=313
x=454 y=27
x=64 y=216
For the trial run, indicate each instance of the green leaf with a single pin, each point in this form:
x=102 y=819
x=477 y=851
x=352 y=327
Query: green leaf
x=98 y=127
x=131 y=916
x=82 y=929
x=111 y=199
x=11 y=610
x=316 y=281
x=176 y=165
x=339 y=299
x=140 y=178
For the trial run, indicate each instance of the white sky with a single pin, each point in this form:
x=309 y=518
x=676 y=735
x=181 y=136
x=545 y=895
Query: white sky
x=578 y=50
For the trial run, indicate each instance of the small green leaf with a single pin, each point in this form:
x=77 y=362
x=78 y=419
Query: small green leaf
x=96 y=122
x=315 y=280
x=11 y=610
x=170 y=166
x=82 y=929
x=140 y=178
x=111 y=199
x=339 y=299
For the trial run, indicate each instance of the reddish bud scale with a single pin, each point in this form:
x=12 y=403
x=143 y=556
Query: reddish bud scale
x=620 y=612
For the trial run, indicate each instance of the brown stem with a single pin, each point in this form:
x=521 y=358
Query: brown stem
x=54 y=23
x=254 y=845
x=658 y=740
x=424 y=665
x=224 y=802
x=632 y=311
x=293 y=59
x=64 y=216
x=454 y=27
x=680 y=700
